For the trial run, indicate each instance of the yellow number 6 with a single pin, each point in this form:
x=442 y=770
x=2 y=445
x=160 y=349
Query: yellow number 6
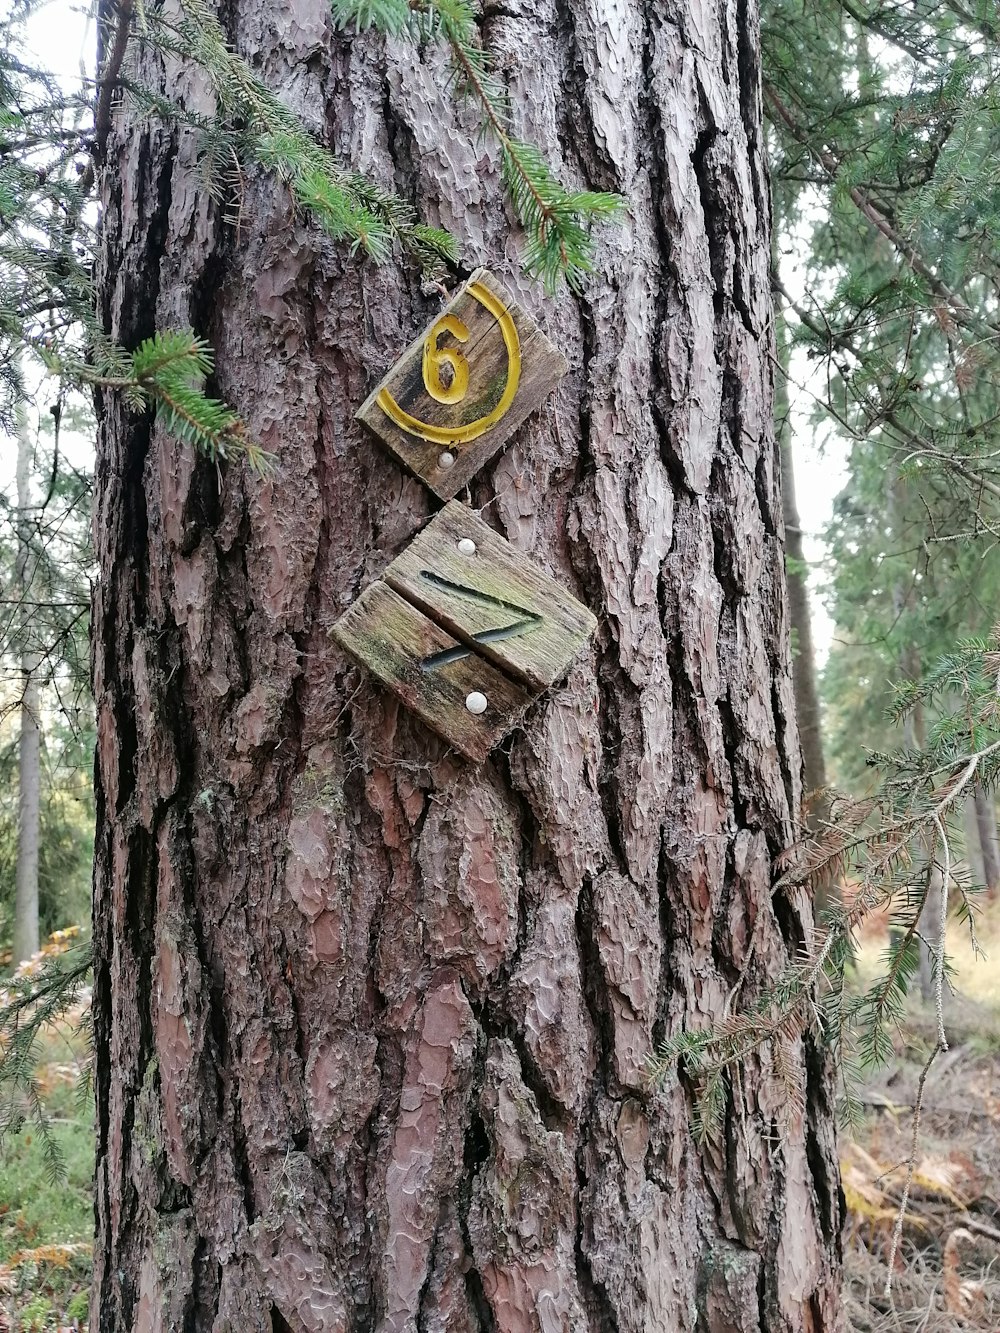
x=454 y=392
x=435 y=357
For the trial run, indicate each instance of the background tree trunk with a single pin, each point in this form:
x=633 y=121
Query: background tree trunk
x=973 y=847
x=371 y=1022
x=914 y=738
x=29 y=745
x=986 y=827
x=807 y=706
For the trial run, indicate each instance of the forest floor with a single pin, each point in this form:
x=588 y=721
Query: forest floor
x=46 y=1221
x=947 y=1275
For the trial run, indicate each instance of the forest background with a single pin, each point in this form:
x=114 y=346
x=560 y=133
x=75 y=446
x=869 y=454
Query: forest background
x=884 y=126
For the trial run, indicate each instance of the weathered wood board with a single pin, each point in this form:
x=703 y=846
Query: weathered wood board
x=493 y=598
x=399 y=645
x=462 y=388
x=465 y=630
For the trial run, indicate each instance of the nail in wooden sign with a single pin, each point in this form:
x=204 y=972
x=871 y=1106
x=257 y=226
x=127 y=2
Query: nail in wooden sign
x=465 y=630
x=460 y=391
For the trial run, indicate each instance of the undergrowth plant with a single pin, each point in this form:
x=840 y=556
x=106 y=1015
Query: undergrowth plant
x=44 y=993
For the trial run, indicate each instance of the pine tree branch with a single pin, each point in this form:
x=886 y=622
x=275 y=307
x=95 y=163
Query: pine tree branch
x=830 y=164
x=921 y=450
x=918 y=447
x=546 y=213
x=109 y=76
x=911 y=1166
x=873 y=22
x=107 y=84
x=555 y=219
x=258 y=126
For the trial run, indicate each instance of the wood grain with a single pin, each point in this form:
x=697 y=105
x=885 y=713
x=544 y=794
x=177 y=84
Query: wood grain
x=543 y=626
x=394 y=640
x=489 y=367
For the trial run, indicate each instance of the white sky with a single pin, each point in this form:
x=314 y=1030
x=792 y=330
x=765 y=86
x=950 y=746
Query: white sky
x=62 y=36
x=820 y=458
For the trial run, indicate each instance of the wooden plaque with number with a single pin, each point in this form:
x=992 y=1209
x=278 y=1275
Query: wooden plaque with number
x=464 y=386
x=460 y=620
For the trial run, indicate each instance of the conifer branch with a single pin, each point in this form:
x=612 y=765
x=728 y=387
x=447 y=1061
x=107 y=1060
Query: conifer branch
x=169 y=370
x=875 y=839
x=828 y=336
x=260 y=127
x=29 y=1004
x=877 y=217
x=557 y=221
x=108 y=80
x=911 y=1166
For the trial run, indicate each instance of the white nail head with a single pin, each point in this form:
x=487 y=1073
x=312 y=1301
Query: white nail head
x=476 y=702
x=467 y=546
x=446 y=460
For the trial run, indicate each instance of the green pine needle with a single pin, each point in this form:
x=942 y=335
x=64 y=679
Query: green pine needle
x=30 y=1005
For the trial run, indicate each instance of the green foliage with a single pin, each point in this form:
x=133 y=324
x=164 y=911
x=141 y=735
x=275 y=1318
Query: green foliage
x=46 y=295
x=169 y=370
x=891 y=119
x=46 y=1225
x=32 y=1006
x=884 y=128
x=65 y=853
x=47 y=243
x=45 y=568
x=253 y=125
x=78 y=1307
x=36 y=1314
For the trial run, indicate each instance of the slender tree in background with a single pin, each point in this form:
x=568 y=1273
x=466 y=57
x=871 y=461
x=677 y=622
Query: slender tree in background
x=986 y=829
x=29 y=764
x=372 y=1024
x=900 y=307
x=46 y=726
x=807 y=704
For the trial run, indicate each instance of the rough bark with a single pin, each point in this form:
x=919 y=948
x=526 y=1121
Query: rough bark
x=29 y=745
x=371 y=1022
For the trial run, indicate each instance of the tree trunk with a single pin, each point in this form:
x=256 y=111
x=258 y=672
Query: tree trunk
x=973 y=849
x=807 y=708
x=372 y=1022
x=914 y=738
x=986 y=827
x=29 y=746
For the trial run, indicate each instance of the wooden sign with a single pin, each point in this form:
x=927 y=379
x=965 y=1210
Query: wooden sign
x=464 y=386
x=466 y=630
